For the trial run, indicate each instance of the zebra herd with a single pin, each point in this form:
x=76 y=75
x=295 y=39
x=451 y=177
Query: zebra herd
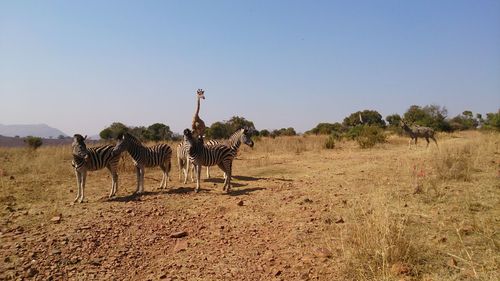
x=192 y=150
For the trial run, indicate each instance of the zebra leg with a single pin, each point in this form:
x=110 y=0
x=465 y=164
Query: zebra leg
x=138 y=174
x=228 y=172
x=198 y=174
x=78 y=185
x=114 y=179
x=427 y=139
x=179 y=162
x=192 y=171
x=208 y=172
x=141 y=190
x=84 y=178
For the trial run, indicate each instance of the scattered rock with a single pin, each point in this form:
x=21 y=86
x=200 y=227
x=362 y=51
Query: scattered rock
x=278 y=273
x=7 y=260
x=163 y=276
x=466 y=230
x=452 y=262
x=328 y=221
x=180 y=245
x=128 y=211
x=55 y=252
x=56 y=219
x=323 y=253
x=31 y=272
x=240 y=203
x=340 y=220
x=12 y=178
x=307 y=200
x=400 y=268
x=95 y=262
x=179 y=234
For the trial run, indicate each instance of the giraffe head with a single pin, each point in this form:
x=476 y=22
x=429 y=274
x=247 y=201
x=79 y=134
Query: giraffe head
x=200 y=94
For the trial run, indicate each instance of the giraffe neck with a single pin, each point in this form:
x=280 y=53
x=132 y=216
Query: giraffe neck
x=197 y=108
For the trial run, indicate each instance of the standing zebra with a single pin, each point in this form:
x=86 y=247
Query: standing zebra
x=234 y=141
x=416 y=132
x=92 y=159
x=203 y=155
x=157 y=155
x=183 y=160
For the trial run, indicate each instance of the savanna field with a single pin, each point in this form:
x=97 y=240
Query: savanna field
x=297 y=211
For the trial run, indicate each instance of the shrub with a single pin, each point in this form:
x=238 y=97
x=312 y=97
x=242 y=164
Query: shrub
x=369 y=136
x=330 y=142
x=454 y=163
x=33 y=142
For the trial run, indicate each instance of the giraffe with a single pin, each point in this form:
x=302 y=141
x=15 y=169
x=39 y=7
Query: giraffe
x=198 y=124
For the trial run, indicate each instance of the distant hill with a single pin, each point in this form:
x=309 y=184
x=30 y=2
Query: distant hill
x=36 y=130
x=19 y=142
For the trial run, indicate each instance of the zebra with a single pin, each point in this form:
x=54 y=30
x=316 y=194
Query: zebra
x=202 y=155
x=234 y=141
x=157 y=155
x=92 y=159
x=182 y=160
x=418 y=131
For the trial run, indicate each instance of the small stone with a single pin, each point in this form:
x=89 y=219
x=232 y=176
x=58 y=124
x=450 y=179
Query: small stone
x=452 y=262
x=11 y=178
x=7 y=259
x=31 y=272
x=95 y=262
x=400 y=268
x=56 y=219
x=340 y=220
x=128 y=211
x=55 y=252
x=163 y=276
x=179 y=234
x=180 y=246
x=323 y=253
x=240 y=203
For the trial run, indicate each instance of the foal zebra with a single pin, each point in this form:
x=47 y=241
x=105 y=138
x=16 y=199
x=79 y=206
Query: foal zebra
x=92 y=159
x=416 y=132
x=202 y=155
x=234 y=141
x=157 y=155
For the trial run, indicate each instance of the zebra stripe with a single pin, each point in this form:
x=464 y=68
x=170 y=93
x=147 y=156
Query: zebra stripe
x=203 y=155
x=93 y=159
x=157 y=155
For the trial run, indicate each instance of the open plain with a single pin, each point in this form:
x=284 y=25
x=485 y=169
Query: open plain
x=297 y=211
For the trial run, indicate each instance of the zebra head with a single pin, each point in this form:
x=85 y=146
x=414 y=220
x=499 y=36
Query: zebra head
x=79 y=147
x=122 y=143
x=246 y=137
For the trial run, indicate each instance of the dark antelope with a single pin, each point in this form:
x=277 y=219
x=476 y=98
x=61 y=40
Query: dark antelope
x=416 y=132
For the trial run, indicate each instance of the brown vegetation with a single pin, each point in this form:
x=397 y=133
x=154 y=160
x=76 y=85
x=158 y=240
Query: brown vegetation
x=297 y=211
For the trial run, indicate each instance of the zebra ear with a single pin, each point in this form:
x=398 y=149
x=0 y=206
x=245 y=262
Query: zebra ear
x=84 y=138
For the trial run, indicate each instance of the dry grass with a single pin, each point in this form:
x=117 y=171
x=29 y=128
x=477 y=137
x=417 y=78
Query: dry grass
x=406 y=214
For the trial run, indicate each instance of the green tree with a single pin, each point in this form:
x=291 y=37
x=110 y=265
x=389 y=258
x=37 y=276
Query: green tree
x=368 y=117
x=264 y=133
x=159 y=132
x=106 y=134
x=237 y=122
x=113 y=131
x=433 y=116
x=327 y=129
x=33 y=142
x=218 y=130
x=393 y=120
x=492 y=121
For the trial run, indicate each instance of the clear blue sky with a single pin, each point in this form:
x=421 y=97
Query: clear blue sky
x=81 y=65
